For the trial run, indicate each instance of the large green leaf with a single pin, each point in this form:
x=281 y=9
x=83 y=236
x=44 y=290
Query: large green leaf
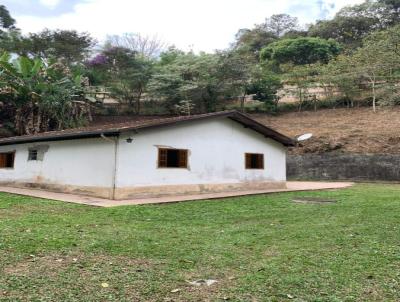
x=37 y=66
x=25 y=66
x=8 y=68
x=5 y=57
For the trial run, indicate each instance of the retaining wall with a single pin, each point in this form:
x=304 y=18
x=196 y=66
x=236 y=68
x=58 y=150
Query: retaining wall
x=383 y=167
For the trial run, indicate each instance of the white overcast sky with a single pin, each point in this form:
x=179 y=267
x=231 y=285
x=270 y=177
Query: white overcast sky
x=203 y=25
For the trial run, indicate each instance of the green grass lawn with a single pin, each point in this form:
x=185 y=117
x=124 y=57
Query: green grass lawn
x=259 y=248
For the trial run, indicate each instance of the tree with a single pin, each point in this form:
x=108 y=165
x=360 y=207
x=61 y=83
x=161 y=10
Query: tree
x=6 y=21
x=301 y=51
x=352 y=24
x=251 y=41
x=41 y=97
x=67 y=44
x=204 y=80
x=125 y=71
x=373 y=65
x=146 y=46
x=265 y=85
x=378 y=57
x=280 y=24
x=392 y=9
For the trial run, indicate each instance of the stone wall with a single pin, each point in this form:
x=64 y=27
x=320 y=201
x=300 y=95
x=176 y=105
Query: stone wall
x=383 y=167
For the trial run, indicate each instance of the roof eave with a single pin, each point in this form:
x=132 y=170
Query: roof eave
x=93 y=134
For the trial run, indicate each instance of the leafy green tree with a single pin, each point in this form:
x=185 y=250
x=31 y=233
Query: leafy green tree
x=70 y=45
x=6 y=21
x=280 y=24
x=126 y=72
x=301 y=51
x=377 y=59
x=392 y=10
x=265 y=85
x=352 y=23
x=251 y=41
x=41 y=97
x=205 y=80
x=374 y=65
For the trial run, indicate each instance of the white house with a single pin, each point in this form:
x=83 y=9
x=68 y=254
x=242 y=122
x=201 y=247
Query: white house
x=221 y=151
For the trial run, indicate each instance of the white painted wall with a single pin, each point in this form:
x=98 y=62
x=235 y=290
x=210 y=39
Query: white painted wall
x=216 y=155
x=82 y=162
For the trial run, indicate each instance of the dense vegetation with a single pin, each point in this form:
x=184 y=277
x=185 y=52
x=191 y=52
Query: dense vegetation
x=258 y=248
x=354 y=57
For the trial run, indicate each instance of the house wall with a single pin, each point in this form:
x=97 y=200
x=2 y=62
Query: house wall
x=80 y=166
x=216 y=159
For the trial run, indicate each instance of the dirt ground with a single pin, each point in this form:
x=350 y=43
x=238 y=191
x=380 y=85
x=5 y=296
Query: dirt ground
x=357 y=130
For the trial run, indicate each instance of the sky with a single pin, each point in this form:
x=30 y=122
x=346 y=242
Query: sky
x=201 y=25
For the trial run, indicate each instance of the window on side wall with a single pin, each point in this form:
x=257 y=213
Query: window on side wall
x=254 y=161
x=33 y=154
x=172 y=158
x=7 y=160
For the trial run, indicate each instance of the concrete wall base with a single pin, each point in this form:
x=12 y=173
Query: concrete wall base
x=81 y=190
x=150 y=191
x=168 y=190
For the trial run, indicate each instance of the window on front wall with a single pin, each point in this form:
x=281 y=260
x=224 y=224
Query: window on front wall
x=7 y=160
x=33 y=154
x=254 y=161
x=172 y=158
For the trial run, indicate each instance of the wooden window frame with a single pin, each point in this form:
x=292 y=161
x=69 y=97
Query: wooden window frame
x=162 y=160
x=13 y=160
x=247 y=161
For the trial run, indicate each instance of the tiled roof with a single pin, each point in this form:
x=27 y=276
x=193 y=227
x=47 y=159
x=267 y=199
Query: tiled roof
x=116 y=129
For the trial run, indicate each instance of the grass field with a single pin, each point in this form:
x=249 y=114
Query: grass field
x=258 y=248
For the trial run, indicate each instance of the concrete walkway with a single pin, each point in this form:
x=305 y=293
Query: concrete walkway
x=292 y=186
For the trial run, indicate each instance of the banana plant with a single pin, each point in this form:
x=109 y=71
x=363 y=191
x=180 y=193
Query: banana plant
x=41 y=94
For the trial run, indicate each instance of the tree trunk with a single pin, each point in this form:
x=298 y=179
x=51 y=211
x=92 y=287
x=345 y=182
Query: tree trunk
x=300 y=99
x=242 y=99
x=373 y=95
x=138 y=101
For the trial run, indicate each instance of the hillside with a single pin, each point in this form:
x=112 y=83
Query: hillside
x=357 y=130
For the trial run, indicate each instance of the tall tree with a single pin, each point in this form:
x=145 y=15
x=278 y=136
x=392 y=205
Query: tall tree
x=145 y=46
x=125 y=72
x=280 y=24
x=251 y=41
x=6 y=21
x=301 y=51
x=352 y=23
x=67 y=44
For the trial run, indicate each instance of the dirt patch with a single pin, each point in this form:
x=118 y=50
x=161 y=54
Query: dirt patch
x=313 y=200
x=52 y=265
x=356 y=130
x=74 y=276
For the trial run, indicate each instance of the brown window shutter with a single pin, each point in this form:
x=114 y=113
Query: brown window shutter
x=248 y=160
x=261 y=161
x=162 y=158
x=12 y=159
x=3 y=160
x=183 y=154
